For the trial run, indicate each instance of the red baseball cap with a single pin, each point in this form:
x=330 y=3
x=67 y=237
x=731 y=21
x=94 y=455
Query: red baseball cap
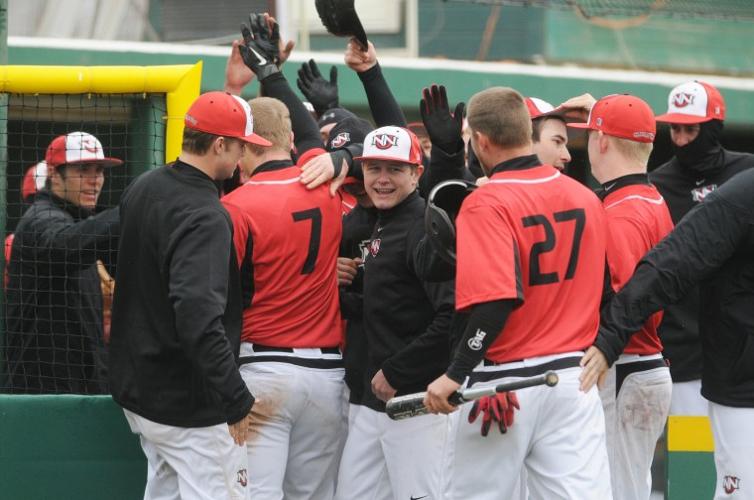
x=221 y=113
x=538 y=107
x=622 y=115
x=392 y=144
x=34 y=179
x=694 y=102
x=77 y=148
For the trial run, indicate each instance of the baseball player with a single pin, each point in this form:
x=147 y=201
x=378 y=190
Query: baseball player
x=177 y=314
x=538 y=234
x=548 y=133
x=33 y=181
x=711 y=247
x=636 y=394
x=54 y=337
x=286 y=240
x=406 y=323
x=696 y=111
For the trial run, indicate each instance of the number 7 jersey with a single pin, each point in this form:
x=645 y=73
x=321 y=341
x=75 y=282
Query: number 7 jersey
x=287 y=239
x=537 y=237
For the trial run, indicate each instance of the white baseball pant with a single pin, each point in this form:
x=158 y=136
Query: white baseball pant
x=636 y=401
x=733 y=429
x=299 y=423
x=386 y=459
x=687 y=399
x=558 y=435
x=190 y=463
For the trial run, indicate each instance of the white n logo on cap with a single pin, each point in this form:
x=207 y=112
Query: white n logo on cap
x=689 y=99
x=385 y=141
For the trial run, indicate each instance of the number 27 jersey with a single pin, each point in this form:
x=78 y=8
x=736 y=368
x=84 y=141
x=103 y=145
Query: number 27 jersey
x=537 y=237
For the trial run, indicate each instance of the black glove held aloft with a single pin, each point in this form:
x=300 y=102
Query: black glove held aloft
x=323 y=95
x=444 y=129
x=260 y=50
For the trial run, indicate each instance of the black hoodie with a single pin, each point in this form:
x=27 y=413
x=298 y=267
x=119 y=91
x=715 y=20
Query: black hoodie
x=696 y=170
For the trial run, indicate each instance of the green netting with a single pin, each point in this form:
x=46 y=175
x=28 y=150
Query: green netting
x=55 y=311
x=710 y=9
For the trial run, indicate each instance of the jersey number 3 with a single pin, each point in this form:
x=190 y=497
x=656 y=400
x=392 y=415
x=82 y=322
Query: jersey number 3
x=536 y=276
x=315 y=216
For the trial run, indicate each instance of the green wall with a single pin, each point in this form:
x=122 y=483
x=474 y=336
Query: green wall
x=68 y=448
x=463 y=79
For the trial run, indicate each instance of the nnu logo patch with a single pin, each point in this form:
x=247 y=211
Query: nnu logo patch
x=385 y=141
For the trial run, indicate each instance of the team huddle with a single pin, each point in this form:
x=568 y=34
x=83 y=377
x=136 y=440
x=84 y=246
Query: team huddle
x=256 y=337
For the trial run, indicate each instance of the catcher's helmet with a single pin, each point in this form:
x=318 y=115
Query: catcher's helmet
x=340 y=19
x=440 y=216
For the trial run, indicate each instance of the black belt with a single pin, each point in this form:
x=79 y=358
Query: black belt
x=269 y=348
x=623 y=370
x=525 y=371
x=320 y=363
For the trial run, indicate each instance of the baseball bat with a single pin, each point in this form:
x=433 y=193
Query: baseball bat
x=412 y=405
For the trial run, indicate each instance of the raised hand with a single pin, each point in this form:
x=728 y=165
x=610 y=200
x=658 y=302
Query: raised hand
x=237 y=74
x=357 y=58
x=444 y=129
x=260 y=49
x=321 y=93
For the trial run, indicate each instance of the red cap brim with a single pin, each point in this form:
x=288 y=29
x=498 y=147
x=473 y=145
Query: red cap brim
x=256 y=139
x=681 y=118
x=385 y=158
x=105 y=162
x=579 y=125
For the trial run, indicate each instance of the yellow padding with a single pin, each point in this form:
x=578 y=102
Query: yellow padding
x=180 y=83
x=690 y=434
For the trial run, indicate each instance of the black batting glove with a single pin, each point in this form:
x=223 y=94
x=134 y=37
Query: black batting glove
x=444 y=129
x=322 y=94
x=260 y=50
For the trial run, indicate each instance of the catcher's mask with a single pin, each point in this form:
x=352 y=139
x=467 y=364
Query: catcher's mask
x=440 y=216
x=340 y=19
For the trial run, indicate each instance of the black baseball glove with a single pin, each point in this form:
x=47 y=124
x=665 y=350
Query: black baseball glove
x=444 y=129
x=322 y=94
x=260 y=49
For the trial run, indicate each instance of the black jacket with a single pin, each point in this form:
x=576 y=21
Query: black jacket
x=406 y=320
x=713 y=247
x=684 y=186
x=357 y=231
x=54 y=331
x=177 y=306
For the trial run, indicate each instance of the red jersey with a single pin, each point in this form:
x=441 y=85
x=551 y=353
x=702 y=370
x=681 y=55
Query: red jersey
x=536 y=236
x=287 y=239
x=637 y=219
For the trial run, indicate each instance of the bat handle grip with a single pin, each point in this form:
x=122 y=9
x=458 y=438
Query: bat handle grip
x=456 y=398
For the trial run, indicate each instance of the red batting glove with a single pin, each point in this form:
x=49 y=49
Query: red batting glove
x=497 y=408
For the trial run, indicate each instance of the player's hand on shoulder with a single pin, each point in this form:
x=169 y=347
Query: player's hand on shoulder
x=358 y=60
x=325 y=167
x=498 y=408
x=594 y=369
x=438 y=393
